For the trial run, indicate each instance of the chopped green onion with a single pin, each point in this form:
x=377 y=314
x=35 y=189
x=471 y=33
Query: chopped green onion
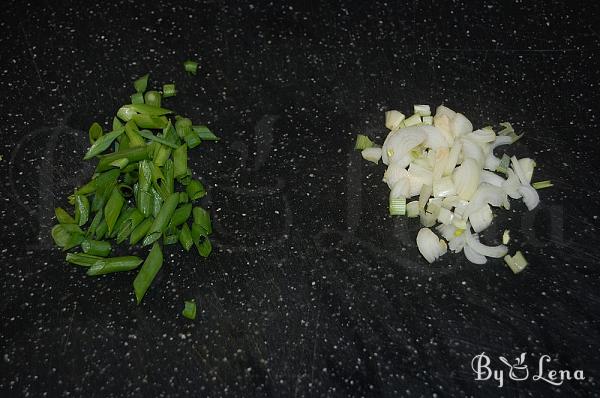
x=102 y=229
x=413 y=120
x=180 y=159
x=185 y=237
x=152 y=98
x=181 y=215
x=189 y=310
x=102 y=143
x=120 y=163
x=362 y=142
x=191 y=67
x=202 y=218
x=149 y=136
x=161 y=222
x=168 y=90
x=516 y=263
x=85 y=260
x=95 y=132
x=116 y=124
x=113 y=208
x=195 y=190
x=144 y=109
x=63 y=217
x=82 y=209
x=398 y=206
x=141 y=230
x=148 y=272
x=542 y=184
x=205 y=133
x=113 y=264
x=100 y=248
x=150 y=122
x=67 y=236
x=201 y=240
x=132 y=154
x=504 y=163
x=137 y=98
x=141 y=83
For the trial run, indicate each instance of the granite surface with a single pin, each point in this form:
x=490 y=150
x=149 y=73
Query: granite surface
x=312 y=290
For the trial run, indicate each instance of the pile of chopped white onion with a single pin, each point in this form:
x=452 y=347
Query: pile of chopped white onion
x=457 y=178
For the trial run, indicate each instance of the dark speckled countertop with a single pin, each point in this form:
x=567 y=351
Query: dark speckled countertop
x=312 y=289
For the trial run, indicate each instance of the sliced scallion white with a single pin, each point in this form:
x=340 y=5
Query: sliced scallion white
x=422 y=110
x=398 y=206
x=413 y=120
x=517 y=263
x=542 y=184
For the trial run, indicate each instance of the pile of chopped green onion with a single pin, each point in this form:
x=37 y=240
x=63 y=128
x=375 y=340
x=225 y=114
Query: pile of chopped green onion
x=457 y=178
x=142 y=191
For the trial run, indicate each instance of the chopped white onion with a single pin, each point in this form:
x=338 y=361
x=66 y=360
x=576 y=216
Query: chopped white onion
x=492 y=178
x=401 y=188
x=527 y=166
x=488 y=251
x=371 y=154
x=473 y=256
x=399 y=143
x=466 y=178
x=444 y=187
x=482 y=218
x=393 y=119
x=412 y=209
x=460 y=125
x=445 y=216
x=393 y=174
x=531 y=198
x=457 y=243
x=430 y=246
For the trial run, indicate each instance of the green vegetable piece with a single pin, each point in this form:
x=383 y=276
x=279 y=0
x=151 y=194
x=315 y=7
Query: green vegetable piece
x=101 y=230
x=202 y=218
x=186 y=178
x=162 y=219
x=123 y=215
x=201 y=240
x=116 y=124
x=169 y=90
x=140 y=231
x=95 y=223
x=82 y=209
x=183 y=197
x=195 y=190
x=204 y=133
x=181 y=215
x=146 y=109
x=185 y=237
x=102 y=143
x=152 y=98
x=113 y=208
x=113 y=264
x=137 y=98
x=180 y=160
x=141 y=83
x=100 y=248
x=171 y=236
x=157 y=201
x=133 y=220
x=63 y=217
x=67 y=236
x=189 y=310
x=191 y=139
x=149 y=136
x=148 y=272
x=132 y=154
x=132 y=131
x=149 y=122
x=95 y=132
x=85 y=260
x=191 y=67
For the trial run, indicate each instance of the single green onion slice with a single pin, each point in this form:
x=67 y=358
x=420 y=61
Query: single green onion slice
x=517 y=262
x=398 y=206
x=191 y=67
x=362 y=142
x=189 y=310
x=141 y=83
x=152 y=98
x=413 y=120
x=137 y=98
x=168 y=90
x=204 y=133
x=542 y=184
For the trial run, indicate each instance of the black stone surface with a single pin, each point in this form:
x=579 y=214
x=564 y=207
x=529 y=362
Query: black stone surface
x=312 y=289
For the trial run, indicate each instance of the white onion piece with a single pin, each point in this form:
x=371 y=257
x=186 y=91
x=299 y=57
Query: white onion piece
x=412 y=209
x=424 y=196
x=420 y=172
x=460 y=125
x=473 y=256
x=516 y=166
x=400 y=189
x=427 y=219
x=430 y=246
x=466 y=178
x=439 y=166
x=472 y=150
x=491 y=178
x=511 y=185
x=457 y=243
x=399 y=143
x=481 y=218
x=527 y=165
x=444 y=187
x=435 y=137
x=444 y=110
x=371 y=154
x=447 y=231
x=501 y=140
x=393 y=174
x=531 y=198
x=393 y=119
x=488 y=251
x=485 y=194
x=445 y=216
x=459 y=222
x=453 y=157
x=482 y=136
x=450 y=201
x=491 y=162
